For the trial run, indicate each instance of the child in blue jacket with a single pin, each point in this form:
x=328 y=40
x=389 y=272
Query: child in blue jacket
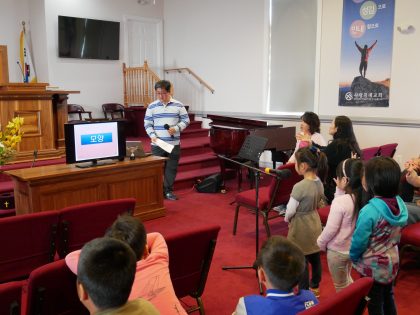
x=374 y=246
x=280 y=266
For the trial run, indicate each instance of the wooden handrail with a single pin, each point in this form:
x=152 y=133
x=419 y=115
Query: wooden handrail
x=193 y=74
x=139 y=83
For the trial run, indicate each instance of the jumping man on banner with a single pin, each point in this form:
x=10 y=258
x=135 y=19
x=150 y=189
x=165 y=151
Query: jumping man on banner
x=364 y=56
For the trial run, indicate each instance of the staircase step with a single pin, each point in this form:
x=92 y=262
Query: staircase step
x=191 y=133
x=198 y=145
x=188 y=178
x=197 y=161
x=189 y=146
x=196 y=150
x=194 y=124
x=191 y=116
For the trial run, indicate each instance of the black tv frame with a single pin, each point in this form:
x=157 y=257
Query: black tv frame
x=70 y=145
x=105 y=34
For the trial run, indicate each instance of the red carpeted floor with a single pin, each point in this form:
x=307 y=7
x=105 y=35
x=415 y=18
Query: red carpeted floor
x=224 y=288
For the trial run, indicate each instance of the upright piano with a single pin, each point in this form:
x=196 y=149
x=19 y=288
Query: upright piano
x=227 y=135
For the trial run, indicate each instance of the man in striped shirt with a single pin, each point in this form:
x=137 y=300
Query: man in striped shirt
x=165 y=118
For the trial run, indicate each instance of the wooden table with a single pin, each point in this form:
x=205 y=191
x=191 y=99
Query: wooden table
x=54 y=187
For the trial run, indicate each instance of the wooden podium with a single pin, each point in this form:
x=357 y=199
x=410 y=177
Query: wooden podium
x=44 y=113
x=54 y=187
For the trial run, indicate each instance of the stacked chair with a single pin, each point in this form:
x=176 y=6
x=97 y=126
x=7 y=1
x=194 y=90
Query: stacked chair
x=276 y=193
x=115 y=110
x=40 y=239
x=410 y=241
x=323 y=214
x=10 y=297
x=79 y=110
x=28 y=241
x=52 y=290
x=31 y=244
x=352 y=300
x=388 y=149
x=369 y=153
x=33 y=240
x=189 y=268
x=82 y=223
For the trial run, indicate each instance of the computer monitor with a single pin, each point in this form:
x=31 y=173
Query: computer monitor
x=94 y=141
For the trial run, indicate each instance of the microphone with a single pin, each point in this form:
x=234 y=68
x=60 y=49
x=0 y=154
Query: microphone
x=166 y=126
x=35 y=154
x=280 y=173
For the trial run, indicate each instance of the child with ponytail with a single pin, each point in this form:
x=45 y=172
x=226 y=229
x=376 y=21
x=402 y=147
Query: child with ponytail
x=302 y=214
x=336 y=237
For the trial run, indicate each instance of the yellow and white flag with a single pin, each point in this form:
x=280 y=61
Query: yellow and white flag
x=28 y=70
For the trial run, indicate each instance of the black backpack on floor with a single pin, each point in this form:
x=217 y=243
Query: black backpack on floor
x=211 y=184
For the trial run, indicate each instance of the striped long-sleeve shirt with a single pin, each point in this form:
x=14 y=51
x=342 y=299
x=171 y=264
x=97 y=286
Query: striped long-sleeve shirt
x=158 y=115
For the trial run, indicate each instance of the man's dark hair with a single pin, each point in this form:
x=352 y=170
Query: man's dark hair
x=130 y=230
x=163 y=84
x=283 y=262
x=106 y=269
x=312 y=120
x=382 y=176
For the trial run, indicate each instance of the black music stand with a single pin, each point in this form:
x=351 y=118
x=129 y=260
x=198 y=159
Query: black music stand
x=251 y=150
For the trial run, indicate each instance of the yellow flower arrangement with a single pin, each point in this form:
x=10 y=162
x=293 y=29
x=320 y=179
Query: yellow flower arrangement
x=9 y=138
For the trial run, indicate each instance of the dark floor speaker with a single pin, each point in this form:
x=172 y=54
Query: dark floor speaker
x=211 y=184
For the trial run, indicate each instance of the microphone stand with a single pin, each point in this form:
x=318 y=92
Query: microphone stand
x=256 y=176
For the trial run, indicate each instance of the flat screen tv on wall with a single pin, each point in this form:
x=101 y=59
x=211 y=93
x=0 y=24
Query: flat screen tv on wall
x=88 y=38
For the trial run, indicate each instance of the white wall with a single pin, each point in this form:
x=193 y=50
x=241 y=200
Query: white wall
x=224 y=42
x=99 y=81
x=12 y=13
x=404 y=101
x=293 y=43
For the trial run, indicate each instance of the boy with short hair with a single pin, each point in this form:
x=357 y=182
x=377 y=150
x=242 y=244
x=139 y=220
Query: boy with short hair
x=152 y=280
x=280 y=267
x=105 y=274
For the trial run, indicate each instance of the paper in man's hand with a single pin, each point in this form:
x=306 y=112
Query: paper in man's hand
x=164 y=145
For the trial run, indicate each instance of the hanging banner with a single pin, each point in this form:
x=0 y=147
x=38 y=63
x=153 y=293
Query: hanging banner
x=366 y=53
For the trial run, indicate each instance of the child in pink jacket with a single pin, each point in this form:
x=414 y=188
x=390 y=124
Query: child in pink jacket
x=336 y=237
x=152 y=280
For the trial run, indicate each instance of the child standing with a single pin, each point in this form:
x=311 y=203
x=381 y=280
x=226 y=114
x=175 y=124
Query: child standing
x=336 y=237
x=343 y=146
x=374 y=246
x=280 y=266
x=302 y=214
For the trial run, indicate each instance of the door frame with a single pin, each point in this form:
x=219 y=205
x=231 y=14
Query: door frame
x=159 y=31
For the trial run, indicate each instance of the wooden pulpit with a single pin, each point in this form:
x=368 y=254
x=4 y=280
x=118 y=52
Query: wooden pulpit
x=4 y=72
x=44 y=113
